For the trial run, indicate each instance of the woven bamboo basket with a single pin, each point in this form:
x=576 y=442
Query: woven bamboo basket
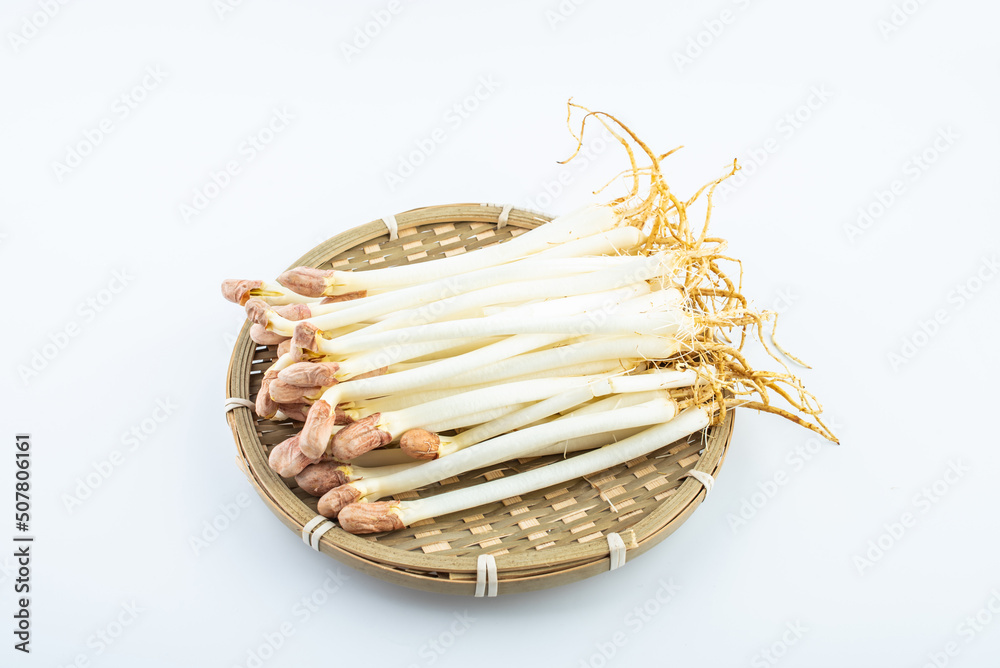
x=547 y=538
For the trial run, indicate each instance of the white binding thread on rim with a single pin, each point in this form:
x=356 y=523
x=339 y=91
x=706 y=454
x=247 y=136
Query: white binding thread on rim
x=486 y=575
x=504 y=214
x=705 y=479
x=310 y=525
x=318 y=533
x=236 y=402
x=390 y=224
x=617 y=547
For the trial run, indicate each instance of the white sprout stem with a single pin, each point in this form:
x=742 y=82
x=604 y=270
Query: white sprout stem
x=376 y=460
x=579 y=224
x=368 y=308
x=406 y=399
x=484 y=399
x=376 y=359
x=517 y=444
x=508 y=423
x=367 y=388
x=466 y=419
x=654 y=314
x=355 y=472
x=626 y=270
x=588 y=442
x=613 y=402
x=627 y=349
x=612 y=242
x=688 y=422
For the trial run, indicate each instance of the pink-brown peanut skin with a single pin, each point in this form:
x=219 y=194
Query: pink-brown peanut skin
x=257 y=309
x=370 y=517
x=420 y=444
x=284 y=347
x=358 y=438
x=334 y=500
x=340 y=417
x=295 y=411
x=262 y=337
x=317 y=430
x=345 y=297
x=287 y=459
x=294 y=311
x=305 y=336
x=310 y=374
x=307 y=281
x=238 y=291
x=318 y=479
x=284 y=393
x=264 y=406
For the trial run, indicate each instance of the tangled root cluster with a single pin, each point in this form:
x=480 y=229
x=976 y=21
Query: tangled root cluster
x=714 y=298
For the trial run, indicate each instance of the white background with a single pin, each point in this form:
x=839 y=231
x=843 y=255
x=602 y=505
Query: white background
x=864 y=99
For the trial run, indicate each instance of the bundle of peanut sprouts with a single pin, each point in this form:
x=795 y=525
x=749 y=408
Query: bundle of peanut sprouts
x=600 y=336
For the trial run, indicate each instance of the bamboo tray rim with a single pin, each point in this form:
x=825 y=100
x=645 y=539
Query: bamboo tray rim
x=655 y=525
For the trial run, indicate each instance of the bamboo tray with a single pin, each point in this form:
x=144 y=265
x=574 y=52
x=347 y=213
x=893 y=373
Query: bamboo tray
x=547 y=538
